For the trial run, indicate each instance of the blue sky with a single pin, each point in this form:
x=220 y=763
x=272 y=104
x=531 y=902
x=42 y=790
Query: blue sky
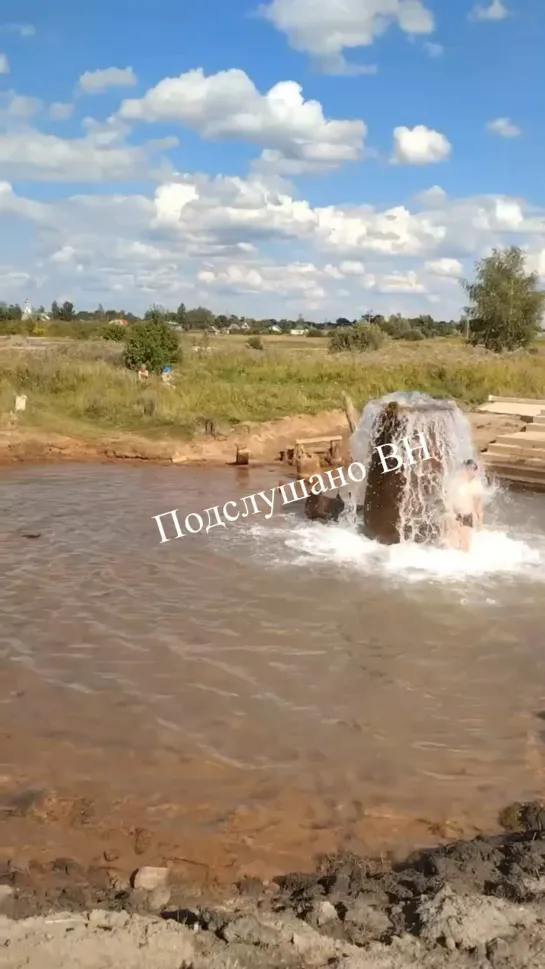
x=310 y=217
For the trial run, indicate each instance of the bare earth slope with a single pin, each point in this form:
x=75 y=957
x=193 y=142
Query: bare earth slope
x=263 y=440
x=473 y=905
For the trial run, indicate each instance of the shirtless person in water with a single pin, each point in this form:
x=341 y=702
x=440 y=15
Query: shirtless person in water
x=466 y=507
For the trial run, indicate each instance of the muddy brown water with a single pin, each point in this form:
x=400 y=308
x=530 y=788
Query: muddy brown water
x=246 y=707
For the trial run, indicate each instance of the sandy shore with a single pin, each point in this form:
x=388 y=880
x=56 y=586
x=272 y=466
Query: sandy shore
x=264 y=441
x=477 y=904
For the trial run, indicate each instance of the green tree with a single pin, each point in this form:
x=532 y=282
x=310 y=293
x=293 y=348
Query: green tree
x=181 y=314
x=505 y=306
x=12 y=312
x=55 y=310
x=199 y=318
x=66 y=311
x=151 y=344
x=156 y=314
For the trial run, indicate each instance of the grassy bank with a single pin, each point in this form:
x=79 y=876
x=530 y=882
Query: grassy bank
x=81 y=389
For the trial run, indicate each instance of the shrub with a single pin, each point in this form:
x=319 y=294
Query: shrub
x=397 y=329
x=415 y=334
x=17 y=327
x=255 y=343
x=113 y=331
x=363 y=336
x=151 y=344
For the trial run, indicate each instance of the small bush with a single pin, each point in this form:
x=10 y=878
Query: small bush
x=255 y=343
x=397 y=329
x=415 y=334
x=17 y=327
x=151 y=344
x=113 y=331
x=363 y=336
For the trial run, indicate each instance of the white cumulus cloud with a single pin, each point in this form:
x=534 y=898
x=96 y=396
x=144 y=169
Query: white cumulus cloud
x=504 y=127
x=496 y=10
x=95 y=82
x=326 y=28
x=434 y=50
x=228 y=105
x=18 y=106
x=395 y=282
x=4 y=64
x=420 y=146
x=249 y=244
x=446 y=268
x=96 y=157
x=61 y=110
x=285 y=280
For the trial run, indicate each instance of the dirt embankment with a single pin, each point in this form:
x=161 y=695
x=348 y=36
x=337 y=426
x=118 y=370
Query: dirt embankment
x=264 y=441
x=470 y=904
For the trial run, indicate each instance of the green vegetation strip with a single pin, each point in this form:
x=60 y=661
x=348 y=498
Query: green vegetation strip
x=71 y=391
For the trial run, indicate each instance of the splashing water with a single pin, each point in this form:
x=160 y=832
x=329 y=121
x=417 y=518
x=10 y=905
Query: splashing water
x=422 y=413
x=495 y=552
x=447 y=432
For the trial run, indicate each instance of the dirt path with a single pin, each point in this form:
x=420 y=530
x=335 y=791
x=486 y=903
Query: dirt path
x=473 y=905
x=264 y=441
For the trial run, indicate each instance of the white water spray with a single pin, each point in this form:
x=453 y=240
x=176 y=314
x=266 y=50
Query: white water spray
x=447 y=432
x=496 y=550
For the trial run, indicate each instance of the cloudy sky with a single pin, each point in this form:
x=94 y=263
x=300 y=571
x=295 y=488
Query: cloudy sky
x=299 y=156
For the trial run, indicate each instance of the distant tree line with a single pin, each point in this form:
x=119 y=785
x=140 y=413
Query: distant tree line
x=504 y=312
x=202 y=319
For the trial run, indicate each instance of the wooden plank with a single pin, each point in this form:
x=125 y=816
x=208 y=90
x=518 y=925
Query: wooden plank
x=516 y=461
x=520 y=409
x=518 y=472
x=515 y=400
x=319 y=440
x=524 y=439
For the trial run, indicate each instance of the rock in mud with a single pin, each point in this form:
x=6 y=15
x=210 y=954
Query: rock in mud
x=249 y=929
x=365 y=923
x=141 y=900
x=324 y=913
x=471 y=921
x=150 y=877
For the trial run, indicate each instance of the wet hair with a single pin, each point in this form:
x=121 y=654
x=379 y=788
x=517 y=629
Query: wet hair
x=471 y=464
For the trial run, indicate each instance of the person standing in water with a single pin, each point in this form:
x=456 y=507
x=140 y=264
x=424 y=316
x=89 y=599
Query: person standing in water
x=466 y=506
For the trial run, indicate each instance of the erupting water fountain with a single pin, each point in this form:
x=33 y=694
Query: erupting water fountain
x=408 y=504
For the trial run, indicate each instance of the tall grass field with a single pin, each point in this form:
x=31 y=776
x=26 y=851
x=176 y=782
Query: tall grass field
x=82 y=389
